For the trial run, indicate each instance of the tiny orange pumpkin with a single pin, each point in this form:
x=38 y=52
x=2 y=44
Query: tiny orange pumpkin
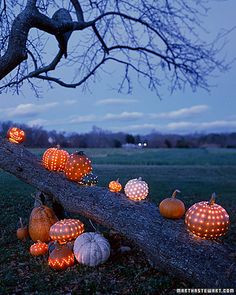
x=115 y=186
x=38 y=248
x=172 y=208
x=22 y=232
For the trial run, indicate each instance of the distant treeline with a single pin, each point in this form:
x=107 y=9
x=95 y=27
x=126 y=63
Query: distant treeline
x=40 y=138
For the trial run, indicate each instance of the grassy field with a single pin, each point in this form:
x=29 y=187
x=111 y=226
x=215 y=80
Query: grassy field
x=196 y=172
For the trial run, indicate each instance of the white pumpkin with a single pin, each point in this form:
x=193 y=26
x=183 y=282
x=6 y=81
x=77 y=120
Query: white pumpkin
x=91 y=249
x=136 y=189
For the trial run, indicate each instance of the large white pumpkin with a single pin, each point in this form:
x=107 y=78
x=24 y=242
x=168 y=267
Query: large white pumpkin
x=136 y=189
x=91 y=249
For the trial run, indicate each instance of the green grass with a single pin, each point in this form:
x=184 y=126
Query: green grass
x=196 y=172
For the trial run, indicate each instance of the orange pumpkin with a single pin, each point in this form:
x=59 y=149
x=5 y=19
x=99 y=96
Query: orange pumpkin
x=66 y=230
x=38 y=249
x=115 y=186
x=16 y=135
x=41 y=219
x=55 y=159
x=61 y=257
x=77 y=166
x=172 y=208
x=22 y=232
x=207 y=220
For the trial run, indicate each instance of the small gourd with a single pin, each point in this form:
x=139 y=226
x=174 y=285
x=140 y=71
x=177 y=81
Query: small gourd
x=115 y=186
x=22 y=232
x=39 y=248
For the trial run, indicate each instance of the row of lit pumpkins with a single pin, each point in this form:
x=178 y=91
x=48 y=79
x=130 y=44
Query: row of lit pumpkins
x=204 y=219
x=66 y=238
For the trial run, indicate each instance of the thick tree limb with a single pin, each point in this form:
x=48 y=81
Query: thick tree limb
x=166 y=243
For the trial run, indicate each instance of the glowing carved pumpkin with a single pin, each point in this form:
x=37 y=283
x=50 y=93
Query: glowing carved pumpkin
x=55 y=159
x=61 y=257
x=91 y=249
x=22 y=232
x=207 y=219
x=90 y=179
x=39 y=248
x=16 y=135
x=77 y=166
x=115 y=186
x=41 y=219
x=136 y=189
x=66 y=230
x=172 y=207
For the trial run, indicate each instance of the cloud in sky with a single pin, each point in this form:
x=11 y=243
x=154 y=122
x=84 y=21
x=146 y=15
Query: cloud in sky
x=37 y=122
x=115 y=101
x=28 y=110
x=181 y=113
x=125 y=116
x=84 y=119
x=181 y=127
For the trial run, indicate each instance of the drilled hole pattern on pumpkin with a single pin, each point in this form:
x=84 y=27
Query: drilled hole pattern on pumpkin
x=66 y=230
x=115 y=186
x=38 y=249
x=207 y=221
x=77 y=166
x=136 y=189
x=89 y=180
x=55 y=159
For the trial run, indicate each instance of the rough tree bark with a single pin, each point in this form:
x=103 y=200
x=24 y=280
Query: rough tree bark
x=166 y=243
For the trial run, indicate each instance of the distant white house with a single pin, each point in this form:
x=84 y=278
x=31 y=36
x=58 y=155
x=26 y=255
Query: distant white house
x=134 y=146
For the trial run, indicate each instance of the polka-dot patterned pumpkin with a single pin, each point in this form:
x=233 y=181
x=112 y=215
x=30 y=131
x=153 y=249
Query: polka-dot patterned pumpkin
x=115 y=186
x=66 y=230
x=16 y=135
x=207 y=219
x=55 y=159
x=136 y=189
x=90 y=179
x=38 y=249
x=77 y=166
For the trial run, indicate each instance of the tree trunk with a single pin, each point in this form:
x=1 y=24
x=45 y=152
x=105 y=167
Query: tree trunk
x=166 y=243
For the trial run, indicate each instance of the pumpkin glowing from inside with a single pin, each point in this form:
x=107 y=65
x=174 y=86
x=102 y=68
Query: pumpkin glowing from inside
x=66 y=230
x=207 y=219
x=115 y=186
x=136 y=189
x=77 y=166
x=55 y=159
x=172 y=208
x=16 y=135
x=39 y=248
x=61 y=257
x=41 y=219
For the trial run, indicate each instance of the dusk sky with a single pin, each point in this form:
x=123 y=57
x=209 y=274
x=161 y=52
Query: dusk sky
x=142 y=111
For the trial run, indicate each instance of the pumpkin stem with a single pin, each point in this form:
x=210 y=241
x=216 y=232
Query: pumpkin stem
x=118 y=179
x=140 y=178
x=175 y=193
x=213 y=199
x=58 y=146
x=21 y=223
